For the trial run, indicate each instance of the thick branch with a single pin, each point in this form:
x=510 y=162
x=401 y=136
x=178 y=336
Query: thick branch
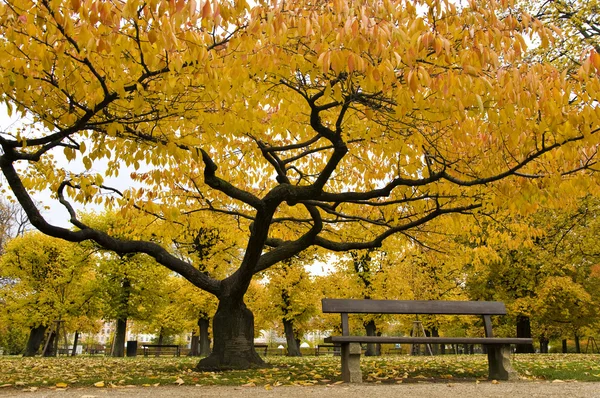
x=221 y=185
x=377 y=242
x=117 y=245
x=288 y=249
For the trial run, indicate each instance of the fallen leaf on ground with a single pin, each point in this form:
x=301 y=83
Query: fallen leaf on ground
x=99 y=384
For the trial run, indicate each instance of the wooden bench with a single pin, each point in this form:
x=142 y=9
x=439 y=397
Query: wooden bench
x=498 y=348
x=262 y=345
x=158 y=349
x=332 y=348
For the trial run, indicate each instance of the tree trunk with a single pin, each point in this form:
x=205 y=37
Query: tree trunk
x=544 y=342
x=119 y=340
x=233 y=331
x=75 y=339
x=577 y=344
x=293 y=348
x=436 y=348
x=524 y=330
x=121 y=332
x=194 y=352
x=52 y=346
x=36 y=335
x=161 y=339
x=203 y=324
x=371 y=330
x=565 y=349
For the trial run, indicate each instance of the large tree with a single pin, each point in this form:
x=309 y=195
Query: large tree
x=295 y=118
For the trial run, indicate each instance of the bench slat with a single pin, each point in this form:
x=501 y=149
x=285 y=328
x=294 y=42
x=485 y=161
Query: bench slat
x=427 y=340
x=413 y=307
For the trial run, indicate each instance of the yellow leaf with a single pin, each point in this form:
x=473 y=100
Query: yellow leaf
x=99 y=384
x=61 y=385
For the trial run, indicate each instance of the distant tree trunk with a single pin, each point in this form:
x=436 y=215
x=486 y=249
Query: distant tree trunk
x=203 y=324
x=161 y=338
x=577 y=344
x=371 y=330
x=565 y=349
x=194 y=352
x=118 y=349
x=544 y=342
x=293 y=348
x=52 y=345
x=36 y=335
x=524 y=330
x=233 y=332
x=121 y=331
x=433 y=332
x=75 y=339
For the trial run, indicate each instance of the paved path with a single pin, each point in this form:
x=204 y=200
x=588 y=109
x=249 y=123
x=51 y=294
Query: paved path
x=418 y=390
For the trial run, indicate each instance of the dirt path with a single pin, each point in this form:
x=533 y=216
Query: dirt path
x=420 y=390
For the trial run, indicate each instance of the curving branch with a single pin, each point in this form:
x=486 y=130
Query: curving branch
x=120 y=246
x=221 y=185
x=378 y=241
x=286 y=249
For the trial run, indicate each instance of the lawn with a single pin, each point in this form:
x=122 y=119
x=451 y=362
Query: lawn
x=110 y=372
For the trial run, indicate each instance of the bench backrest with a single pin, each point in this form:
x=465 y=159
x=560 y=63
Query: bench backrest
x=413 y=307
x=349 y=306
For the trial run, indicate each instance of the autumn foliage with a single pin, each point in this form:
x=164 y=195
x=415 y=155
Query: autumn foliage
x=334 y=124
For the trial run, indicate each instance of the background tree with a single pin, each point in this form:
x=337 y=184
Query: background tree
x=52 y=280
x=535 y=272
x=291 y=299
x=326 y=115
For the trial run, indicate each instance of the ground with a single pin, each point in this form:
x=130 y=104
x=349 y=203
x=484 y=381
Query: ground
x=529 y=389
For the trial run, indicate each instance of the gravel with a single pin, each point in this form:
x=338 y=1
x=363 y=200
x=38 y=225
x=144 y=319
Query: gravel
x=529 y=389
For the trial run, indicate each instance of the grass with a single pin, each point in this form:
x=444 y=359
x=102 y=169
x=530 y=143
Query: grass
x=112 y=372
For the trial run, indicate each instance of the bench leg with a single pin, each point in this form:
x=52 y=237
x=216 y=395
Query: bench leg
x=351 y=372
x=499 y=363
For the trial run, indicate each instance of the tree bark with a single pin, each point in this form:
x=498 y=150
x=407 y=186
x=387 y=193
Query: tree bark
x=565 y=349
x=544 y=342
x=194 y=351
x=524 y=330
x=577 y=344
x=36 y=335
x=203 y=324
x=436 y=348
x=293 y=348
x=371 y=330
x=121 y=332
x=161 y=338
x=119 y=341
x=75 y=339
x=233 y=331
x=52 y=347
